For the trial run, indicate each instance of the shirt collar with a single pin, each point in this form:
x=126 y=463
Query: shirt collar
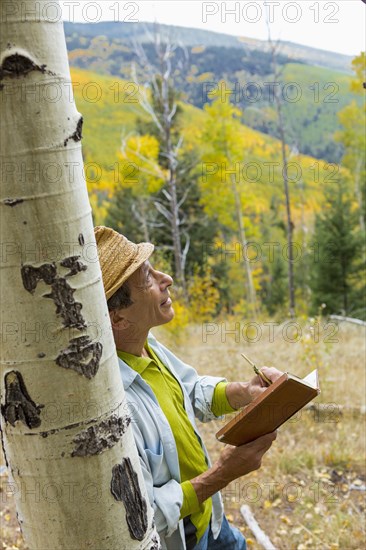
x=138 y=364
x=128 y=374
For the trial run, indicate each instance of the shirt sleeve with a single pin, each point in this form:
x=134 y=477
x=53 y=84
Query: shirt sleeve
x=190 y=501
x=166 y=500
x=220 y=404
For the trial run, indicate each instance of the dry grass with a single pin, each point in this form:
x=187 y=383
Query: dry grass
x=302 y=496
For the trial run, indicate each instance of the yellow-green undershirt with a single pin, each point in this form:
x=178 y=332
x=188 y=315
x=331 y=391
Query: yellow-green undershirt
x=170 y=398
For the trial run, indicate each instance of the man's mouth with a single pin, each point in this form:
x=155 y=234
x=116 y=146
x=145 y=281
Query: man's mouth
x=166 y=302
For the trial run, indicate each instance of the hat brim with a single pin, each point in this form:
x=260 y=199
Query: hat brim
x=144 y=251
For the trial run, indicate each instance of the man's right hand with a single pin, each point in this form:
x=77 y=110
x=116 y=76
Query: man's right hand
x=232 y=463
x=239 y=461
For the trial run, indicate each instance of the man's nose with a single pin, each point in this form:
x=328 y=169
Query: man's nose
x=166 y=279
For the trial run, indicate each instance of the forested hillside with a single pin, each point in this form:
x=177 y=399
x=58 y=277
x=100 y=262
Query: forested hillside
x=229 y=182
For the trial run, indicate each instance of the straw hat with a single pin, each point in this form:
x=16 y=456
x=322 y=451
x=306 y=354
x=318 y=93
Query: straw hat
x=118 y=257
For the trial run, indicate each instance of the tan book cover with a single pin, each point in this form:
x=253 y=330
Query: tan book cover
x=279 y=402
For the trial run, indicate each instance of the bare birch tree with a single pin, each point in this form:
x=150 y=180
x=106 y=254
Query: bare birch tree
x=72 y=461
x=157 y=91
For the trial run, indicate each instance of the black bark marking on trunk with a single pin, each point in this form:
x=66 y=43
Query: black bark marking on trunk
x=77 y=135
x=68 y=427
x=66 y=307
x=100 y=437
x=18 y=404
x=17 y=65
x=125 y=487
x=12 y=202
x=155 y=544
x=62 y=292
x=81 y=239
x=74 y=265
x=31 y=275
x=78 y=351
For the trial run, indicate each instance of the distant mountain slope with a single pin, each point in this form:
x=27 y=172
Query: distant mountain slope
x=314 y=95
x=197 y=37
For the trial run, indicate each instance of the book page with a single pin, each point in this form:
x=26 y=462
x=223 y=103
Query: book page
x=312 y=379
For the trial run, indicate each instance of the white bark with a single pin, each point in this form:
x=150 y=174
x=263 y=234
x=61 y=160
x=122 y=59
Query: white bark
x=65 y=427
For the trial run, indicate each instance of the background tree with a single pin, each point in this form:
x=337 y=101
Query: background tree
x=336 y=271
x=132 y=210
x=159 y=99
x=222 y=184
x=353 y=137
x=282 y=134
x=273 y=292
x=65 y=428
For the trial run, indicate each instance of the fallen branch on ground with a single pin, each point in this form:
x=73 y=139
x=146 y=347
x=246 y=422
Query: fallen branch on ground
x=261 y=537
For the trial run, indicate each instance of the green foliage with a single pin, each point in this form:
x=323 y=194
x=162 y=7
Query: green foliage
x=335 y=279
x=274 y=281
x=353 y=135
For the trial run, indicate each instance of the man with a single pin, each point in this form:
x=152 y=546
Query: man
x=165 y=396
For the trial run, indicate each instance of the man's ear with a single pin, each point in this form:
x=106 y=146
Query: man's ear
x=117 y=320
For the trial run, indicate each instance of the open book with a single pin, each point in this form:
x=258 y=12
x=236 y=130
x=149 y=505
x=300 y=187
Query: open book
x=276 y=404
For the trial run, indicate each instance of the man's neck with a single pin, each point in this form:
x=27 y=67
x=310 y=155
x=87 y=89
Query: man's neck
x=131 y=343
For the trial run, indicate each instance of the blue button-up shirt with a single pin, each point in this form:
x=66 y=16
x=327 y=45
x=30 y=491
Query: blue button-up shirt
x=156 y=445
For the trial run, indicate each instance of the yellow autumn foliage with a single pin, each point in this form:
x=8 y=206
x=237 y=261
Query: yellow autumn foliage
x=203 y=297
x=139 y=167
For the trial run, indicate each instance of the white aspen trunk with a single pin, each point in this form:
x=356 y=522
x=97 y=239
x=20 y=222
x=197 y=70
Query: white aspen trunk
x=73 y=464
x=244 y=243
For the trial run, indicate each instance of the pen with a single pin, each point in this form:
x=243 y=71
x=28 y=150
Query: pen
x=257 y=371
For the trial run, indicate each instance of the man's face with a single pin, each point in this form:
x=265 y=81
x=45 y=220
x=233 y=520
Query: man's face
x=152 y=305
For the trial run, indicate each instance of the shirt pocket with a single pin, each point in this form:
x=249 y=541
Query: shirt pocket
x=158 y=467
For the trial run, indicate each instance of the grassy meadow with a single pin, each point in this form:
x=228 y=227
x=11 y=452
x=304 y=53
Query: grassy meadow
x=308 y=493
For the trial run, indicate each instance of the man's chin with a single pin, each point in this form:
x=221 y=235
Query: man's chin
x=172 y=314
x=169 y=316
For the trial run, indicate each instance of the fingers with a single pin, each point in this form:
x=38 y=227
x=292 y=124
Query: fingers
x=272 y=373
x=265 y=441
